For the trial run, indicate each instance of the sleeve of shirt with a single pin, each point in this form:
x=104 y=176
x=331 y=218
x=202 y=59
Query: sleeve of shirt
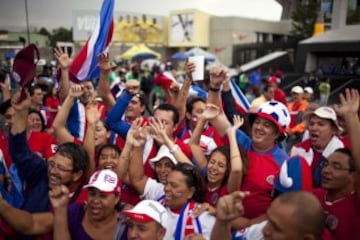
x=153 y=190
x=74 y=119
x=207 y=222
x=29 y=164
x=243 y=140
x=229 y=105
x=114 y=117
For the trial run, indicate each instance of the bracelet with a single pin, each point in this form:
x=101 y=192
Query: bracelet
x=235 y=156
x=174 y=148
x=214 y=89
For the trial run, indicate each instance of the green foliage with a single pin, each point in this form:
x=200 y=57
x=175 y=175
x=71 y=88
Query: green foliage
x=44 y=31
x=354 y=18
x=304 y=19
x=57 y=35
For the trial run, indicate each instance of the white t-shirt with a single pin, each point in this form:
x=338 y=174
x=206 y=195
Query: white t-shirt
x=254 y=232
x=206 y=220
x=154 y=190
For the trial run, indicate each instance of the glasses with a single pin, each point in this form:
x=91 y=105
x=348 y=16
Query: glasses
x=334 y=165
x=57 y=167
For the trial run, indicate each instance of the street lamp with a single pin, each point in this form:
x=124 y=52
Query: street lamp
x=27 y=22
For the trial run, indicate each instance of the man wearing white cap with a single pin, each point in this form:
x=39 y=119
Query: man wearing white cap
x=322 y=126
x=308 y=93
x=296 y=109
x=147 y=221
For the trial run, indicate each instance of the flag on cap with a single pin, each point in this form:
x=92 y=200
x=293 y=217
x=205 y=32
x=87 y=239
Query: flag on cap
x=85 y=65
x=241 y=102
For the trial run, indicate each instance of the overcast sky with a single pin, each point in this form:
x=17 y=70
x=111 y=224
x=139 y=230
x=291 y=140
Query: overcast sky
x=56 y=13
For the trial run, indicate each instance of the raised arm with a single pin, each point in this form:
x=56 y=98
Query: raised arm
x=5 y=89
x=29 y=164
x=24 y=222
x=104 y=85
x=65 y=62
x=348 y=109
x=123 y=166
x=194 y=143
x=217 y=77
x=61 y=132
x=236 y=172
x=211 y=111
x=159 y=134
x=59 y=197
x=93 y=115
x=229 y=207
x=114 y=118
x=137 y=138
x=180 y=101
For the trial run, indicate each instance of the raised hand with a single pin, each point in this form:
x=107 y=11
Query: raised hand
x=230 y=207
x=211 y=111
x=76 y=90
x=349 y=103
x=59 y=196
x=238 y=122
x=93 y=114
x=158 y=131
x=63 y=58
x=133 y=86
x=137 y=134
x=104 y=62
x=23 y=105
x=217 y=76
x=189 y=69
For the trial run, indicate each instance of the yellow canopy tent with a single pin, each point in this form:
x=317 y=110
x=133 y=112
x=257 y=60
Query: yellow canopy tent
x=140 y=52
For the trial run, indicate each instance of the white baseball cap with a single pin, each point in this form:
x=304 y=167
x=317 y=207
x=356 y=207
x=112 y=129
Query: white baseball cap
x=297 y=89
x=105 y=181
x=309 y=90
x=163 y=152
x=325 y=113
x=148 y=211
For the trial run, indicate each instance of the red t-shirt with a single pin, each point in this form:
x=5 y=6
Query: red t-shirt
x=54 y=103
x=342 y=215
x=42 y=143
x=212 y=195
x=259 y=182
x=280 y=96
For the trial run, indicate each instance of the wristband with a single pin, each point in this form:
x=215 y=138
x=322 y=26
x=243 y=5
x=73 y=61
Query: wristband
x=213 y=89
x=174 y=148
x=235 y=156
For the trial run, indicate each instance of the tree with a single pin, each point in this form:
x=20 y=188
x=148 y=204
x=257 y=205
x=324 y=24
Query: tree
x=304 y=19
x=354 y=18
x=60 y=35
x=44 y=31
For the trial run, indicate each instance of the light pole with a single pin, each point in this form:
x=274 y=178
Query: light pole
x=27 y=22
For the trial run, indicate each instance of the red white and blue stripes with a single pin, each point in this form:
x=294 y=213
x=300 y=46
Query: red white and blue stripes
x=85 y=65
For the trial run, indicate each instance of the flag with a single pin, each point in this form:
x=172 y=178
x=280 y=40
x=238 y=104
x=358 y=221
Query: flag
x=165 y=79
x=85 y=65
x=242 y=104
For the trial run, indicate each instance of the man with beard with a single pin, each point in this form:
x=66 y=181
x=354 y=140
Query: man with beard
x=66 y=167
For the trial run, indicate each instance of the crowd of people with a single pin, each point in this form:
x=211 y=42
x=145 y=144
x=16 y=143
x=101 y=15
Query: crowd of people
x=90 y=163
